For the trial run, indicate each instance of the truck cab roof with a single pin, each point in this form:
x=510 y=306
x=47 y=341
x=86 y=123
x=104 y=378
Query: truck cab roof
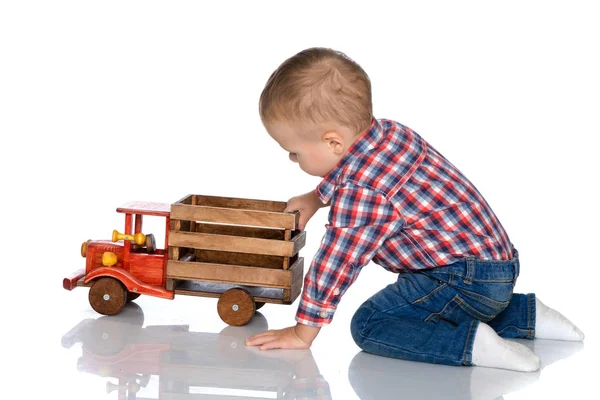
x=146 y=208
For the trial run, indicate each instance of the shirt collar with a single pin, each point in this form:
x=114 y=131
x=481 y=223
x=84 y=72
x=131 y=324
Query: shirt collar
x=366 y=143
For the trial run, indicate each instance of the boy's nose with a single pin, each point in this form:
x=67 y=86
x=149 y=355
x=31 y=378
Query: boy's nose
x=293 y=157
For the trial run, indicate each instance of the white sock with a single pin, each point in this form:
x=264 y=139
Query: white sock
x=490 y=350
x=550 y=324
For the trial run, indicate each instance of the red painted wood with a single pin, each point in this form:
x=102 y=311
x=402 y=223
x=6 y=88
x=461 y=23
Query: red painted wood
x=138 y=223
x=131 y=283
x=167 y=229
x=148 y=268
x=95 y=250
x=128 y=224
x=146 y=208
x=70 y=281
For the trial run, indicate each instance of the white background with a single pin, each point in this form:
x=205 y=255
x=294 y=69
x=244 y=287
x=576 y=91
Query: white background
x=103 y=102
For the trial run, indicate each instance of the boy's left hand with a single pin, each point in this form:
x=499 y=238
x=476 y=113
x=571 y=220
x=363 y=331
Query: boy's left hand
x=294 y=337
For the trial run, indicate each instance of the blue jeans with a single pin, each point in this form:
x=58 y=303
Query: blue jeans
x=432 y=315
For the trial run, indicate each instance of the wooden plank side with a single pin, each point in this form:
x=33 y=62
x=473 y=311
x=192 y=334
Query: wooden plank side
x=231 y=243
x=240 y=203
x=298 y=242
x=226 y=257
x=294 y=291
x=187 y=199
x=286 y=260
x=233 y=216
x=297 y=269
x=232 y=274
x=246 y=231
x=193 y=223
x=174 y=250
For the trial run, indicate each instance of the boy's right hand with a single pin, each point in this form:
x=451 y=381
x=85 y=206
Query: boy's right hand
x=307 y=204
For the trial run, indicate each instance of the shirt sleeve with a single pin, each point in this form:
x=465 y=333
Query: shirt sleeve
x=360 y=220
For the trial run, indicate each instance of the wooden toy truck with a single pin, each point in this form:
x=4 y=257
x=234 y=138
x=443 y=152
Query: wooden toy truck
x=244 y=252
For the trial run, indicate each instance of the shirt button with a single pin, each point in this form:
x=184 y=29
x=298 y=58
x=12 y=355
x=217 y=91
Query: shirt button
x=323 y=314
x=336 y=291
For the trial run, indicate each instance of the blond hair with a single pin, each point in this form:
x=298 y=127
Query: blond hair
x=318 y=85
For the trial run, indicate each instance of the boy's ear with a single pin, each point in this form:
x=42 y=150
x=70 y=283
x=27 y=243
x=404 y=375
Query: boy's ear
x=335 y=142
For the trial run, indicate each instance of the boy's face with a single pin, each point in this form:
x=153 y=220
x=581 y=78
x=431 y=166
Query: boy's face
x=316 y=150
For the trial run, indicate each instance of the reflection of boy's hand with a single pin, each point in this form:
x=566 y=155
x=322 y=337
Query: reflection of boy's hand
x=288 y=356
x=307 y=204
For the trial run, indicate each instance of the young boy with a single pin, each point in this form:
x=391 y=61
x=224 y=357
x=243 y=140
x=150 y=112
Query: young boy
x=396 y=201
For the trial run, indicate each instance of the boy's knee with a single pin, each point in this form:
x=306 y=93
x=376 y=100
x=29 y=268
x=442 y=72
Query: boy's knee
x=358 y=323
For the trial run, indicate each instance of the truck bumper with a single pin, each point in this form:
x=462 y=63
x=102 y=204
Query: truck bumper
x=70 y=282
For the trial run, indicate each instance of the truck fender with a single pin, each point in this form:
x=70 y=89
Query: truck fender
x=131 y=283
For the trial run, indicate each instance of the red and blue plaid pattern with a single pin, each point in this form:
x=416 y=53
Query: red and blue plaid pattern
x=397 y=202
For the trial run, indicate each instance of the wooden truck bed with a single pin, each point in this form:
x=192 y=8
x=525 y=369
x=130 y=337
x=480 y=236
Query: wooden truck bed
x=216 y=243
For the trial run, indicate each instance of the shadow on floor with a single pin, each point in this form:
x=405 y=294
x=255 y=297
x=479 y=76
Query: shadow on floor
x=380 y=378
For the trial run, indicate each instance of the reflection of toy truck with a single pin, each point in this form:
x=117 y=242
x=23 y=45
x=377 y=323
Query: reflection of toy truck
x=245 y=252
x=188 y=364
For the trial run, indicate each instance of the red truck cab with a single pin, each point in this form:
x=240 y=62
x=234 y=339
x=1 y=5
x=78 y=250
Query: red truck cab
x=134 y=270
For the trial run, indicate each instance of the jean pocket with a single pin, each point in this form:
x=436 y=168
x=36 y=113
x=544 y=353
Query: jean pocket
x=459 y=310
x=494 y=296
x=417 y=288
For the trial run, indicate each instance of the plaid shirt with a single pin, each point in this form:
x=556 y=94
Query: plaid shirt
x=397 y=202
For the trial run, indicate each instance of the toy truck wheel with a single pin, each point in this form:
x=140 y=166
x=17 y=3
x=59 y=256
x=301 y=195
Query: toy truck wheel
x=107 y=296
x=259 y=304
x=236 y=307
x=131 y=296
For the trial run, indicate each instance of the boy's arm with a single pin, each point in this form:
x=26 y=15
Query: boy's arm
x=307 y=204
x=361 y=219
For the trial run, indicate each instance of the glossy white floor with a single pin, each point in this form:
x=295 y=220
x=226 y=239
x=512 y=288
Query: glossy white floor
x=180 y=349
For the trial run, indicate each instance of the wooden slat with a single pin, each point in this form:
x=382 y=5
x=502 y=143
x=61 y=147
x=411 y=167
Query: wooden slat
x=186 y=199
x=225 y=257
x=297 y=270
x=286 y=260
x=193 y=223
x=299 y=241
x=235 y=243
x=234 y=216
x=173 y=249
x=246 y=231
x=239 y=203
x=182 y=224
x=294 y=291
x=297 y=277
x=170 y=284
x=234 y=274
